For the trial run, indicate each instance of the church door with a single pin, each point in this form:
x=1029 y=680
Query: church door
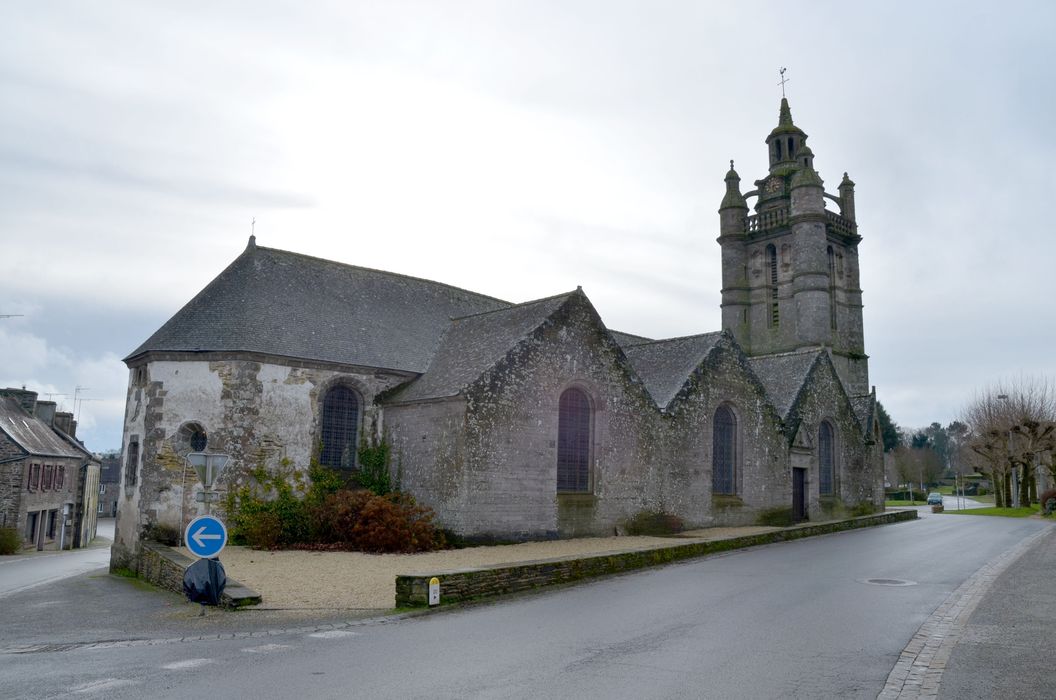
x=799 y=495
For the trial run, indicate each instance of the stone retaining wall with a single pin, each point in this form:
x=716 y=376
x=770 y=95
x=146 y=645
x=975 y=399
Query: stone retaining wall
x=456 y=586
x=164 y=567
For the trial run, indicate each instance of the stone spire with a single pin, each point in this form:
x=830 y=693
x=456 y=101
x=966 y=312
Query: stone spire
x=806 y=176
x=847 y=198
x=733 y=199
x=786 y=139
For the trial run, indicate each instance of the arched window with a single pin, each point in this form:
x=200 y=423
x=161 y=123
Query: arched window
x=573 y=441
x=724 y=452
x=832 y=288
x=825 y=460
x=339 y=428
x=771 y=289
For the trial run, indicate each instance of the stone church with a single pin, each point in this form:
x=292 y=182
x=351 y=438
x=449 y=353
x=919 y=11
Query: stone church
x=530 y=420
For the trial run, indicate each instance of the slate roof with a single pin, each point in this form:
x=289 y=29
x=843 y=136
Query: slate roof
x=473 y=344
x=32 y=434
x=281 y=303
x=624 y=340
x=783 y=375
x=665 y=365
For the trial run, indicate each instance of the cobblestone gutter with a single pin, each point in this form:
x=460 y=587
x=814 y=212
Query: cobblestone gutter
x=469 y=584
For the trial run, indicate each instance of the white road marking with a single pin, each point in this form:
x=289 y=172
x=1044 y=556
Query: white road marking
x=102 y=684
x=265 y=648
x=187 y=663
x=334 y=634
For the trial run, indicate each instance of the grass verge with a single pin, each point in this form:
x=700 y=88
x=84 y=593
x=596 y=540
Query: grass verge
x=1002 y=512
x=896 y=504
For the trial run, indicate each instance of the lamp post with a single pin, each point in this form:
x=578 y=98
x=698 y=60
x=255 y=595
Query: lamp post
x=1015 y=471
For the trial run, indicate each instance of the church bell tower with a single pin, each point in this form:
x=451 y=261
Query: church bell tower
x=790 y=277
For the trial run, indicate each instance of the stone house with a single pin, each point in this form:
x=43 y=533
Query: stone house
x=109 y=484
x=48 y=481
x=531 y=420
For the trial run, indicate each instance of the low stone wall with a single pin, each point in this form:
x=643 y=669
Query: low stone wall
x=164 y=567
x=456 y=586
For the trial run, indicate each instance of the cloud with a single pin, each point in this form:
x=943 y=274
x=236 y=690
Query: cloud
x=90 y=386
x=520 y=149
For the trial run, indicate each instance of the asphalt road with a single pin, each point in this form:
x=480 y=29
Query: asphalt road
x=792 y=620
x=24 y=571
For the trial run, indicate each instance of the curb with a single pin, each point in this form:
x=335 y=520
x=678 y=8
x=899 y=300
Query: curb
x=456 y=586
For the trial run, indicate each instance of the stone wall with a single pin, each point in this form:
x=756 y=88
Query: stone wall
x=459 y=586
x=255 y=411
x=44 y=501
x=12 y=483
x=856 y=463
x=487 y=464
x=428 y=452
x=164 y=567
x=762 y=455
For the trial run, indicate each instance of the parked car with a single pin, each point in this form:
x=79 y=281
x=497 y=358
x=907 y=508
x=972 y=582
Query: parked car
x=934 y=498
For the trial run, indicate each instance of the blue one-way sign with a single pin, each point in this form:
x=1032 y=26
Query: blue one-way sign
x=205 y=536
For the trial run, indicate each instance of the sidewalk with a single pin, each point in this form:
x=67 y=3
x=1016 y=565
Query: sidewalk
x=1008 y=647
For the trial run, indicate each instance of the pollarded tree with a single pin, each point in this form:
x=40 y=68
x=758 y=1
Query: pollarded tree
x=1013 y=425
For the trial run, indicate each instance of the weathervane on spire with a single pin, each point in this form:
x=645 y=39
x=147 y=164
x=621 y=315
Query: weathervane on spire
x=253 y=226
x=783 y=80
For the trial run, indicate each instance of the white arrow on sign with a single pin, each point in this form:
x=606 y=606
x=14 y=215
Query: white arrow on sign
x=198 y=537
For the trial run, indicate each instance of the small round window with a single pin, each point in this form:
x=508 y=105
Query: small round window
x=191 y=437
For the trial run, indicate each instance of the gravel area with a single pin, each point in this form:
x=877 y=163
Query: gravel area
x=301 y=580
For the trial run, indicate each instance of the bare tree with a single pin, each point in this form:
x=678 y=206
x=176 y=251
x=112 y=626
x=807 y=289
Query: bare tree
x=917 y=465
x=1013 y=426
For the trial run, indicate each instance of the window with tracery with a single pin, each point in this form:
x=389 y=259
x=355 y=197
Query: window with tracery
x=574 y=441
x=771 y=290
x=832 y=288
x=825 y=460
x=724 y=452
x=339 y=428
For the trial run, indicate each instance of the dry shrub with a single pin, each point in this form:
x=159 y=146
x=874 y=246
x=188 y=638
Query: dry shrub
x=362 y=521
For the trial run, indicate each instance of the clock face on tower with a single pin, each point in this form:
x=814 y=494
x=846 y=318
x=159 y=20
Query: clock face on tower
x=773 y=185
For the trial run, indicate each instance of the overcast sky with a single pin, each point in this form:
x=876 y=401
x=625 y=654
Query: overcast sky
x=520 y=149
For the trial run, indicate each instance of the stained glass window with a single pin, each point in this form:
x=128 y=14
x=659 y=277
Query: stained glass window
x=825 y=459
x=340 y=426
x=724 y=452
x=573 y=441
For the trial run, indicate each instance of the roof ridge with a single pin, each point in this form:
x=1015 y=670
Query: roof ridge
x=789 y=353
x=511 y=307
x=668 y=340
x=632 y=335
x=387 y=273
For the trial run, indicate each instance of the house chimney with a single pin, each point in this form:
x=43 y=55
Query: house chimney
x=45 y=411
x=27 y=399
x=64 y=421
